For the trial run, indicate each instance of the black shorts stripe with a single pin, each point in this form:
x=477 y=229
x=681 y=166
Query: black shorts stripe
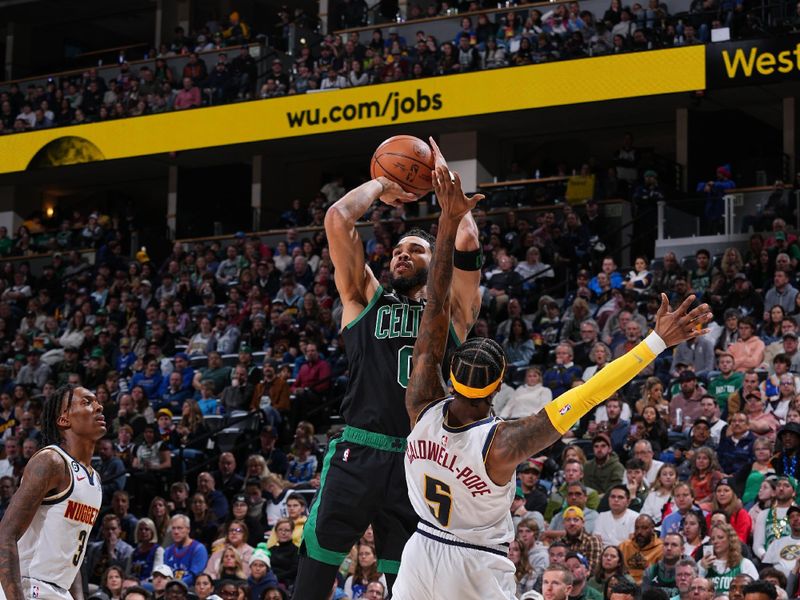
x=460 y=544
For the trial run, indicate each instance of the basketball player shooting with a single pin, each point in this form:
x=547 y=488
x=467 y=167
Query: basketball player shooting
x=45 y=530
x=363 y=481
x=460 y=461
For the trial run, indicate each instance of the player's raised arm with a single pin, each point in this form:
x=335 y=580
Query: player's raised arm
x=426 y=383
x=354 y=280
x=517 y=440
x=467 y=260
x=45 y=474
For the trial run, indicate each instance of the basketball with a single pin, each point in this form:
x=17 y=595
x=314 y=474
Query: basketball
x=406 y=160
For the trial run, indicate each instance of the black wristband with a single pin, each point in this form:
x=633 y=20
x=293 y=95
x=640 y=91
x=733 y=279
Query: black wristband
x=468 y=260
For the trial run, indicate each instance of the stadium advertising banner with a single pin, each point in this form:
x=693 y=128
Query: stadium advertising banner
x=753 y=62
x=536 y=86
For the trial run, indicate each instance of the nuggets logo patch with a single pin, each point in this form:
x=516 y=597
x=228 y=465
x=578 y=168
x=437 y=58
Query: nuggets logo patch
x=565 y=409
x=346 y=455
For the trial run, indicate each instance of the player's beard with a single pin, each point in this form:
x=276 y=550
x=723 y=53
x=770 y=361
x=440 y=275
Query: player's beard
x=405 y=284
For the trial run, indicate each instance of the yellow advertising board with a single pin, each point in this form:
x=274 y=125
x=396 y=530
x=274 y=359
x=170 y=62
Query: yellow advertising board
x=536 y=86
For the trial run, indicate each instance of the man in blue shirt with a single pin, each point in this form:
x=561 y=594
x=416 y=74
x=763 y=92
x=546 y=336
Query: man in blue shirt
x=186 y=557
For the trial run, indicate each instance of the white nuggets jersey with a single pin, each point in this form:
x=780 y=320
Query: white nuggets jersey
x=53 y=547
x=447 y=480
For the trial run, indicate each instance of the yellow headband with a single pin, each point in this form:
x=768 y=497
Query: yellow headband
x=474 y=393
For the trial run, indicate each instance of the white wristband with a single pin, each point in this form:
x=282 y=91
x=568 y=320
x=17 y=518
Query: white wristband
x=655 y=343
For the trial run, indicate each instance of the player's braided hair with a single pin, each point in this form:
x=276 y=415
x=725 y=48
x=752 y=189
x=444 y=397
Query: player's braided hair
x=478 y=362
x=52 y=409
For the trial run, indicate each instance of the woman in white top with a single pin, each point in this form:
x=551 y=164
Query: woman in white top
x=600 y=354
x=355 y=587
x=661 y=493
x=640 y=278
x=726 y=561
x=529 y=398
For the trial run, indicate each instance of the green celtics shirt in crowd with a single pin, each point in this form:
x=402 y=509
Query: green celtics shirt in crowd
x=722 y=575
x=722 y=387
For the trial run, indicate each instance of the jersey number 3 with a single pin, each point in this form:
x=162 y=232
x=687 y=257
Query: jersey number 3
x=439 y=500
x=76 y=560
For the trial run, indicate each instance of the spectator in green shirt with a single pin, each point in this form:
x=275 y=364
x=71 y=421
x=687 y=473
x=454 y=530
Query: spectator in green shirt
x=726 y=383
x=6 y=243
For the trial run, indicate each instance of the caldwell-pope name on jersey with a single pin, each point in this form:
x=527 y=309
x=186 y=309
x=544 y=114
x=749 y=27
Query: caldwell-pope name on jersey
x=435 y=452
x=81 y=513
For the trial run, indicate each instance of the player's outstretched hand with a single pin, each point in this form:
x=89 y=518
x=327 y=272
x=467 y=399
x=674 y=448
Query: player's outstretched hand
x=681 y=324
x=393 y=194
x=455 y=204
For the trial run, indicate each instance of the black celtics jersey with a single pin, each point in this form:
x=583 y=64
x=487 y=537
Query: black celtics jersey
x=379 y=344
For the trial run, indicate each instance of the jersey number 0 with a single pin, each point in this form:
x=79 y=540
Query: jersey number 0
x=404 y=365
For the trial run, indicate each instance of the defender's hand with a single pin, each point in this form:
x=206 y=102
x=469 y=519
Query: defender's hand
x=438 y=157
x=450 y=196
x=681 y=324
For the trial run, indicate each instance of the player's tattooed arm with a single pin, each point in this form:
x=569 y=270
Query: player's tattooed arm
x=514 y=441
x=465 y=292
x=44 y=475
x=426 y=383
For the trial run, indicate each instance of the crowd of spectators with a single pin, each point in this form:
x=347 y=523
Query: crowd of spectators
x=690 y=469
x=520 y=36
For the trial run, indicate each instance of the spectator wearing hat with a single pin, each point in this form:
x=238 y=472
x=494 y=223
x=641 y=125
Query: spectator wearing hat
x=273 y=386
x=577 y=539
x=604 y=470
x=534 y=493
x=125 y=357
x=260 y=574
x=786 y=461
x=698 y=353
x=787 y=344
x=35 y=373
x=578 y=565
x=748 y=350
x=70 y=364
x=576 y=495
x=773 y=523
x=643 y=549
x=742 y=299
x=162 y=575
x=685 y=406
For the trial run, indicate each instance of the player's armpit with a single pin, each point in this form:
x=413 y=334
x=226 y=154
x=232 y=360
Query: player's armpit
x=514 y=441
x=45 y=474
x=76 y=589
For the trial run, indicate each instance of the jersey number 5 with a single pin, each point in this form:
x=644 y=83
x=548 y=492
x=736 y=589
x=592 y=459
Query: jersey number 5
x=76 y=560
x=439 y=500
